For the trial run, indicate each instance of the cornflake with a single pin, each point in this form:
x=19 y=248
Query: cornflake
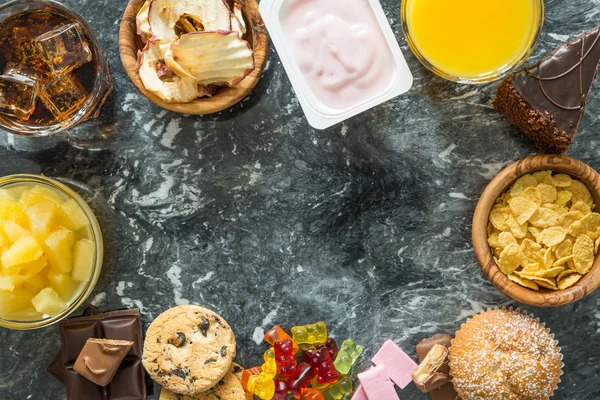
x=543 y=231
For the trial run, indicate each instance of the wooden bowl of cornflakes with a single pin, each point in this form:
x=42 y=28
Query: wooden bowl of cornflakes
x=536 y=230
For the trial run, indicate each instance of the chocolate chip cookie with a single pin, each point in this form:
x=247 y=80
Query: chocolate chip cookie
x=228 y=388
x=188 y=349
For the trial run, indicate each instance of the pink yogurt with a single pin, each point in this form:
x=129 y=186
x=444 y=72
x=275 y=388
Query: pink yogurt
x=341 y=50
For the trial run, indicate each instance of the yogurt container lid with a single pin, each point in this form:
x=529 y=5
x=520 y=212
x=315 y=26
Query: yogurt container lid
x=329 y=84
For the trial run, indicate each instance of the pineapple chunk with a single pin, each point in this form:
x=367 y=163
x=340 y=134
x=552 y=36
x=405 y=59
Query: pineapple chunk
x=41 y=217
x=48 y=302
x=21 y=273
x=61 y=283
x=5 y=195
x=6 y=284
x=72 y=216
x=24 y=250
x=15 y=301
x=25 y=314
x=38 y=194
x=58 y=247
x=14 y=231
x=12 y=210
x=83 y=258
x=37 y=281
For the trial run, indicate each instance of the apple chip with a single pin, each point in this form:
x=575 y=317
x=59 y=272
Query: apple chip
x=552 y=236
x=237 y=12
x=562 y=180
x=213 y=15
x=563 y=197
x=220 y=58
x=510 y=259
x=548 y=192
x=583 y=254
x=544 y=218
x=532 y=194
x=523 y=282
x=499 y=218
x=522 y=209
x=523 y=182
x=164 y=83
x=568 y=281
x=143 y=26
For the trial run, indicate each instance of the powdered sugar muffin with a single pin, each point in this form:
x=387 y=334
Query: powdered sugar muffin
x=504 y=355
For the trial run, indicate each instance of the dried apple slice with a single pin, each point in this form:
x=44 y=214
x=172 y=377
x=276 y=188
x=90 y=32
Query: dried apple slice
x=236 y=26
x=143 y=26
x=164 y=14
x=237 y=11
x=171 y=87
x=220 y=58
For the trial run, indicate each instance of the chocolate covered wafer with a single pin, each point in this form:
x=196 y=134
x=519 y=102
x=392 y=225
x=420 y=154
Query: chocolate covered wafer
x=446 y=391
x=427 y=376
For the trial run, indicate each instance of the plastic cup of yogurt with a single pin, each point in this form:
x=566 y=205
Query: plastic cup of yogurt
x=341 y=56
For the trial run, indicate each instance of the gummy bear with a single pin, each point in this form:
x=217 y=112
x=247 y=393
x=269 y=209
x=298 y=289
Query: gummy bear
x=247 y=373
x=304 y=374
x=321 y=361
x=262 y=386
x=281 y=389
x=331 y=346
x=341 y=388
x=311 y=394
x=347 y=356
x=310 y=334
x=284 y=358
x=269 y=368
x=276 y=334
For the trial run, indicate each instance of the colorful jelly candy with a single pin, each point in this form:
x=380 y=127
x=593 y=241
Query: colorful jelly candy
x=347 y=356
x=311 y=394
x=284 y=358
x=310 y=334
x=341 y=388
x=281 y=389
x=323 y=365
x=304 y=374
x=331 y=346
x=269 y=368
x=262 y=386
x=276 y=334
x=316 y=385
x=247 y=373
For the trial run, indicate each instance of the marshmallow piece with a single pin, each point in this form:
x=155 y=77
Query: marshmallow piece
x=377 y=385
x=397 y=363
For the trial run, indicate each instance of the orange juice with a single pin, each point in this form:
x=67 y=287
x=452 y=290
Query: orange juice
x=472 y=39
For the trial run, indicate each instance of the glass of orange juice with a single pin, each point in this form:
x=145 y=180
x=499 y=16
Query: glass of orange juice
x=472 y=41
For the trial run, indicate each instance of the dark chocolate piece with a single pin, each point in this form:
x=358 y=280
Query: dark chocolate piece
x=129 y=381
x=100 y=359
x=446 y=391
x=547 y=100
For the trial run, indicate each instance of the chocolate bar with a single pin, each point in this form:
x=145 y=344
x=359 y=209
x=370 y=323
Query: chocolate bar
x=427 y=376
x=100 y=359
x=128 y=382
x=445 y=392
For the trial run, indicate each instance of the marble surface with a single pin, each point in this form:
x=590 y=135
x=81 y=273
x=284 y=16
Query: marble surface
x=365 y=226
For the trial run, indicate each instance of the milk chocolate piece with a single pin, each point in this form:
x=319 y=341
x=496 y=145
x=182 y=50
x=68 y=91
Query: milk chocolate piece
x=445 y=392
x=129 y=381
x=546 y=101
x=100 y=359
x=427 y=376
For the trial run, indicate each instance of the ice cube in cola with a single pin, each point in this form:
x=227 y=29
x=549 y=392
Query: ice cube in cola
x=17 y=95
x=64 y=48
x=63 y=96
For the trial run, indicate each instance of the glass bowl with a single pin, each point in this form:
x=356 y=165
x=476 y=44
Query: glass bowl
x=45 y=136
x=490 y=77
x=86 y=289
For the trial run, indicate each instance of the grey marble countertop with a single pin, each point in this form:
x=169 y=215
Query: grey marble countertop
x=252 y=213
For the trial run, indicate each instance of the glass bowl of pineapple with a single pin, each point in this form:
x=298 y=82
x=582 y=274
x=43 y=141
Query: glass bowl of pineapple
x=52 y=251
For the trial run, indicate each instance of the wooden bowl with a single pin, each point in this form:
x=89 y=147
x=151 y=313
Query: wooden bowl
x=541 y=298
x=130 y=43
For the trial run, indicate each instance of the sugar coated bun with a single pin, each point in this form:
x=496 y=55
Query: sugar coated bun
x=504 y=355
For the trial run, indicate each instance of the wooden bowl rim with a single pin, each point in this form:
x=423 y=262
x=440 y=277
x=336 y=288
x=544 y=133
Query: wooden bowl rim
x=498 y=185
x=201 y=106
